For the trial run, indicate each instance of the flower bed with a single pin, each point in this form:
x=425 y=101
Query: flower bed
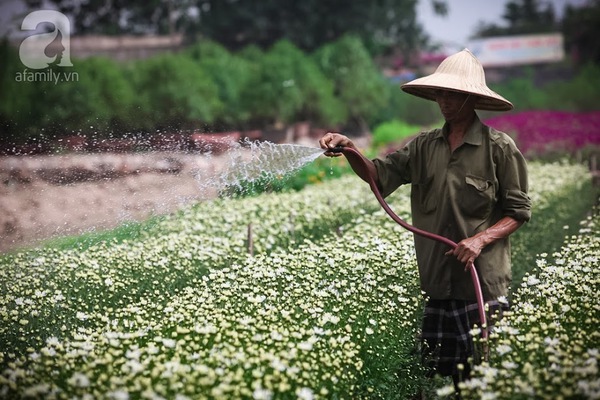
x=186 y=313
x=173 y=254
x=539 y=132
x=553 y=216
x=547 y=347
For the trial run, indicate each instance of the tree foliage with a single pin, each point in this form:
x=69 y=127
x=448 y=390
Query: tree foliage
x=357 y=81
x=15 y=107
x=99 y=100
x=289 y=86
x=203 y=87
x=581 y=28
x=235 y=24
x=117 y=17
x=311 y=23
x=210 y=88
x=231 y=74
x=577 y=94
x=175 y=93
x=522 y=17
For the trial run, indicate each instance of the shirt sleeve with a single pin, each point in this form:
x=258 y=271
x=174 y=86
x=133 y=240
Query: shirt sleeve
x=393 y=170
x=514 y=186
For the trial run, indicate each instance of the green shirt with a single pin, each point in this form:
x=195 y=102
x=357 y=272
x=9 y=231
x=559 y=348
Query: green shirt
x=456 y=195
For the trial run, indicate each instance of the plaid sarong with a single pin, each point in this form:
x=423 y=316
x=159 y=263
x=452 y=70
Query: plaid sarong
x=445 y=336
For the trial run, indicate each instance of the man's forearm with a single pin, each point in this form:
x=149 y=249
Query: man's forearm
x=500 y=230
x=358 y=162
x=468 y=250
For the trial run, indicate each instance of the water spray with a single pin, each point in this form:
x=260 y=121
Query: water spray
x=253 y=161
x=349 y=152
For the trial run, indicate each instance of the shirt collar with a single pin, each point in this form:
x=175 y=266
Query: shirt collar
x=473 y=135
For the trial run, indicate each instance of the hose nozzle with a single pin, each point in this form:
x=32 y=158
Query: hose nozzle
x=336 y=149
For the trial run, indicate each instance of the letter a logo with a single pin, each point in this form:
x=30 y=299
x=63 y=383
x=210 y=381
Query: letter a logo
x=32 y=51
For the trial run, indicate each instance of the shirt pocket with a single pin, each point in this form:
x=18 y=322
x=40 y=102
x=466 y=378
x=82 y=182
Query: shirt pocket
x=478 y=197
x=422 y=194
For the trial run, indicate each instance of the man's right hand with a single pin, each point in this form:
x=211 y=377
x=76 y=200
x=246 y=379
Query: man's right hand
x=333 y=139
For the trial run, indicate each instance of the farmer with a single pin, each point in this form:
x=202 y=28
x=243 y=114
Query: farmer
x=469 y=184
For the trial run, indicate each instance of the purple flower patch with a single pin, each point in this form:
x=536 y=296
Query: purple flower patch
x=538 y=132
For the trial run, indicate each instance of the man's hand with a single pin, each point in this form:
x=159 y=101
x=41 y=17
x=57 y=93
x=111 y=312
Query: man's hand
x=331 y=140
x=468 y=249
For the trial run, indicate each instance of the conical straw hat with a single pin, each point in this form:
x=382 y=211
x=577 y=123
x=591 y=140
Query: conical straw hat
x=460 y=72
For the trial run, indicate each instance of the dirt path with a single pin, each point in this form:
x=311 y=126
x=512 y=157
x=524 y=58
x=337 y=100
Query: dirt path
x=46 y=196
x=56 y=195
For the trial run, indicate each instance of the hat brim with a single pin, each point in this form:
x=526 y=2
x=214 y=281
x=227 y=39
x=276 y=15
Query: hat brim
x=427 y=86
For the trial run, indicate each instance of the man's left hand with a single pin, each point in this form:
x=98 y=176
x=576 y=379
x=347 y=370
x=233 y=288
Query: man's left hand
x=467 y=250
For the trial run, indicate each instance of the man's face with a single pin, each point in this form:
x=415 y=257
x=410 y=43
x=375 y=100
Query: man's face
x=454 y=104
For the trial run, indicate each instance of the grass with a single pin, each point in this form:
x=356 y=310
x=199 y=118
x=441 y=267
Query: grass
x=131 y=230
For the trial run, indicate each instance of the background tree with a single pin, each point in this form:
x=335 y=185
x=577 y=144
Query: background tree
x=308 y=23
x=357 y=81
x=99 y=101
x=581 y=28
x=174 y=93
x=117 y=17
x=231 y=74
x=15 y=97
x=522 y=17
x=312 y=23
x=287 y=86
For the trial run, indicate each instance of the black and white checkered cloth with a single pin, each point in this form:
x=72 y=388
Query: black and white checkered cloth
x=445 y=336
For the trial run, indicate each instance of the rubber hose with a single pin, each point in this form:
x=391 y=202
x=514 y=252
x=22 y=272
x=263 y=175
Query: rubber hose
x=351 y=152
